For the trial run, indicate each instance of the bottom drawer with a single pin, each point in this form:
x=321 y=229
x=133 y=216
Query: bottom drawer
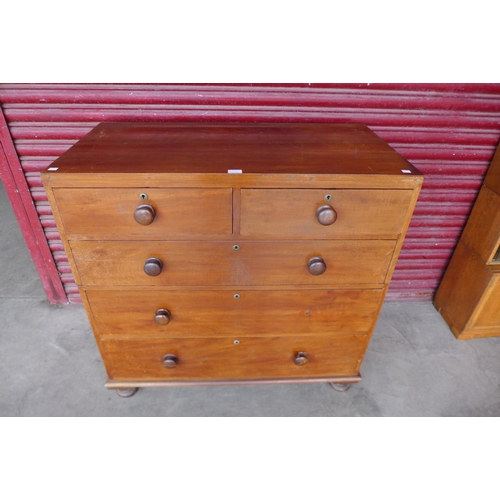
x=230 y=358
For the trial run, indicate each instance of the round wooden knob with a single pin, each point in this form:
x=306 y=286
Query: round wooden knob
x=301 y=358
x=153 y=266
x=316 y=266
x=144 y=214
x=170 y=361
x=162 y=317
x=326 y=215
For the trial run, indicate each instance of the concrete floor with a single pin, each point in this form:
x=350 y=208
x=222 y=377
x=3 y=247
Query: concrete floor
x=50 y=366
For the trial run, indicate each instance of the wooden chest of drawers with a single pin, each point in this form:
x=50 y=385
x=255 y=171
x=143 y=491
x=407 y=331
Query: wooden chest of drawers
x=232 y=253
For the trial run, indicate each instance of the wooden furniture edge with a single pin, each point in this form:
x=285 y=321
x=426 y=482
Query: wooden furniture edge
x=173 y=180
x=115 y=384
x=441 y=309
x=402 y=236
x=466 y=333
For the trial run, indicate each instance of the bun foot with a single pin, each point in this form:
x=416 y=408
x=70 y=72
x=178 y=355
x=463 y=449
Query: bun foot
x=127 y=393
x=340 y=387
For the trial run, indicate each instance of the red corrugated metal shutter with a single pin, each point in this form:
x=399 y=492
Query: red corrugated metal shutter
x=448 y=131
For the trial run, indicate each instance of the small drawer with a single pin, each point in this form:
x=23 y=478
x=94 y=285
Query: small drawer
x=101 y=213
x=318 y=213
x=123 y=314
x=314 y=262
x=231 y=358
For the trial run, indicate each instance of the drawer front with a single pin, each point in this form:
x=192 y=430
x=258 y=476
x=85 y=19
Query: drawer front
x=252 y=312
x=292 y=213
x=121 y=263
x=96 y=213
x=222 y=359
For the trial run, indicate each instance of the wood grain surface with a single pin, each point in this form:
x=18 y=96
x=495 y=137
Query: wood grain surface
x=219 y=358
x=125 y=384
x=237 y=290
x=487 y=315
x=482 y=231
x=120 y=263
x=178 y=211
x=361 y=213
x=468 y=296
x=462 y=287
x=257 y=148
x=213 y=312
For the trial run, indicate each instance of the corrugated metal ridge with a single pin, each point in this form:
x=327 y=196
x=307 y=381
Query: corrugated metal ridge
x=448 y=131
x=395 y=87
x=283 y=114
x=430 y=143
x=441 y=88
x=10 y=108
x=154 y=91
x=439 y=135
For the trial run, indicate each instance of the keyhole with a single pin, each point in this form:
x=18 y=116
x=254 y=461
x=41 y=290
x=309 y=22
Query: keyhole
x=143 y=196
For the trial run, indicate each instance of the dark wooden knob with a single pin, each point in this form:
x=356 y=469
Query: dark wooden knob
x=170 y=361
x=144 y=214
x=316 y=266
x=153 y=266
x=301 y=358
x=162 y=317
x=326 y=215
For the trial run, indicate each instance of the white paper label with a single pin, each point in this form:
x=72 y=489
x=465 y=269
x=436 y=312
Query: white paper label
x=53 y=168
x=235 y=171
x=406 y=171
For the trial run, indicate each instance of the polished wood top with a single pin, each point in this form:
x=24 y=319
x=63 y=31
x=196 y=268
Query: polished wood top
x=215 y=148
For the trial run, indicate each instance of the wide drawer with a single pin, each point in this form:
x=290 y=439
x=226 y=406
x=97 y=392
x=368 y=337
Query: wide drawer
x=121 y=263
x=234 y=312
x=360 y=213
x=225 y=359
x=93 y=213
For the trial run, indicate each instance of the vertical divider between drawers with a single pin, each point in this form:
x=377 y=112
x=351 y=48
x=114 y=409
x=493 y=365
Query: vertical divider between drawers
x=236 y=210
